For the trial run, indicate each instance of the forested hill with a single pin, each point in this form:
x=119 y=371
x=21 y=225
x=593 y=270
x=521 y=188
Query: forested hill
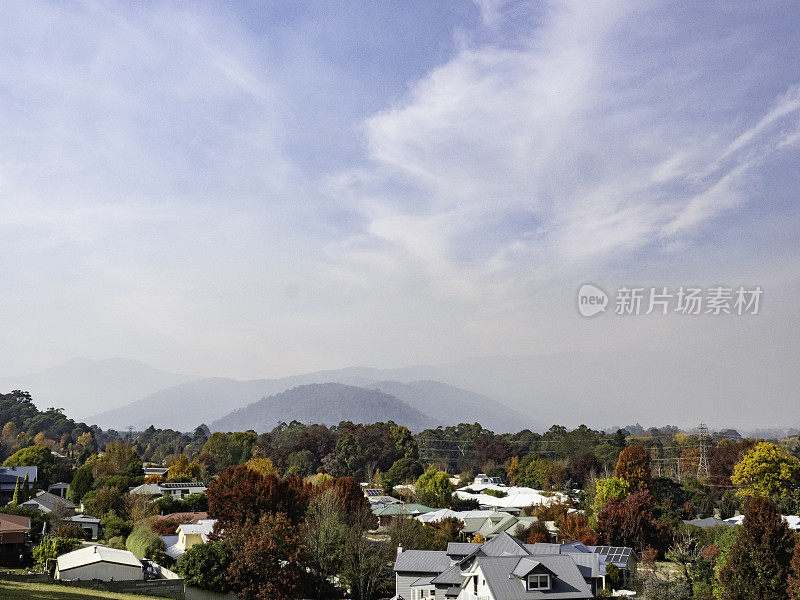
x=325 y=403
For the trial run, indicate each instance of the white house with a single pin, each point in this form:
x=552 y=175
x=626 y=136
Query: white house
x=189 y=534
x=501 y=569
x=99 y=562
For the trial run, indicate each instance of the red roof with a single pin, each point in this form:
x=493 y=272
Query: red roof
x=14 y=523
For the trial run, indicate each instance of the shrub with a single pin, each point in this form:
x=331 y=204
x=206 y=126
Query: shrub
x=204 y=565
x=52 y=547
x=117 y=527
x=144 y=542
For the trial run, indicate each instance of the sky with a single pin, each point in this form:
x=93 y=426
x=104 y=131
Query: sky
x=260 y=189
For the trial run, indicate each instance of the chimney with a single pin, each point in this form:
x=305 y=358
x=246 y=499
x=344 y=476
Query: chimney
x=399 y=549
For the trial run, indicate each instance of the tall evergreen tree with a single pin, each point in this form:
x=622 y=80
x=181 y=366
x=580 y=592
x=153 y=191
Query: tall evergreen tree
x=26 y=489
x=758 y=563
x=16 y=499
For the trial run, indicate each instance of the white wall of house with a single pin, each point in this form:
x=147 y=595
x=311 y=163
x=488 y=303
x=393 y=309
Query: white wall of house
x=102 y=570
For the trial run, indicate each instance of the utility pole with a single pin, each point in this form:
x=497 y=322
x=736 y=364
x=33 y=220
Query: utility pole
x=702 y=465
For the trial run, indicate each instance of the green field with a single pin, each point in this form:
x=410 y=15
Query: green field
x=16 y=590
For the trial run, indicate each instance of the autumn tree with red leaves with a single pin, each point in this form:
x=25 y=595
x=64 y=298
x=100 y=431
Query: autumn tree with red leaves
x=267 y=559
x=631 y=522
x=575 y=527
x=794 y=573
x=240 y=494
x=633 y=466
x=758 y=563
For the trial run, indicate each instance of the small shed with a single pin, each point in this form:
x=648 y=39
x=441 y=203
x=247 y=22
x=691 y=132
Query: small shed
x=99 y=562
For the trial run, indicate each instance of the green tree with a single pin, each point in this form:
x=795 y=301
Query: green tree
x=16 y=499
x=303 y=462
x=767 y=470
x=404 y=470
x=81 y=484
x=325 y=535
x=758 y=563
x=204 y=566
x=33 y=456
x=608 y=489
x=405 y=442
x=434 y=488
x=350 y=452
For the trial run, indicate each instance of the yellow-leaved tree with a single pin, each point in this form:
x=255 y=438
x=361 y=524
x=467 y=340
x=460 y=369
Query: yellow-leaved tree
x=766 y=470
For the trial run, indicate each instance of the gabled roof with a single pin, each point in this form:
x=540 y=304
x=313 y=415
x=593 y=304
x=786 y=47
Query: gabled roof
x=203 y=528
x=461 y=549
x=48 y=501
x=708 y=522
x=402 y=509
x=451 y=576
x=10 y=474
x=503 y=544
x=11 y=523
x=567 y=583
x=422 y=561
x=95 y=554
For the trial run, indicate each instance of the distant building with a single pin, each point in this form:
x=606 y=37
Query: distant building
x=9 y=477
x=89 y=524
x=176 y=490
x=484 y=478
x=46 y=502
x=58 y=489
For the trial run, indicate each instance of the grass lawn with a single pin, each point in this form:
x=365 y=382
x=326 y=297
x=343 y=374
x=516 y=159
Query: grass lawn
x=16 y=590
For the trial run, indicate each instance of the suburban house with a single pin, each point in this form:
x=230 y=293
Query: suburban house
x=9 y=477
x=389 y=512
x=503 y=568
x=511 y=499
x=150 y=469
x=99 y=562
x=189 y=534
x=58 y=489
x=46 y=502
x=484 y=478
x=177 y=490
x=13 y=533
x=90 y=525
x=377 y=498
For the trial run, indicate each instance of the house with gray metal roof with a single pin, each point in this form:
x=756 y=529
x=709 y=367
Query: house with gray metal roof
x=504 y=568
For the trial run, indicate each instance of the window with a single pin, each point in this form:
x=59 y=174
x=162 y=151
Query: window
x=538 y=582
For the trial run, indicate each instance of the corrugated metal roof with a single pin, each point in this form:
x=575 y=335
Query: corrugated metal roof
x=566 y=584
x=95 y=554
x=422 y=561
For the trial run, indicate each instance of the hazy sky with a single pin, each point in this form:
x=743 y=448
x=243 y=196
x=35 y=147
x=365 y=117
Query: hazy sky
x=267 y=188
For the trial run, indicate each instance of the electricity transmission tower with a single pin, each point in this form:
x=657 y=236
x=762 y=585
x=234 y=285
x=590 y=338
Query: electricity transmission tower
x=702 y=465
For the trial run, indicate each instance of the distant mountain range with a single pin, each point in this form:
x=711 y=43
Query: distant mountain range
x=503 y=393
x=83 y=387
x=187 y=405
x=325 y=404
